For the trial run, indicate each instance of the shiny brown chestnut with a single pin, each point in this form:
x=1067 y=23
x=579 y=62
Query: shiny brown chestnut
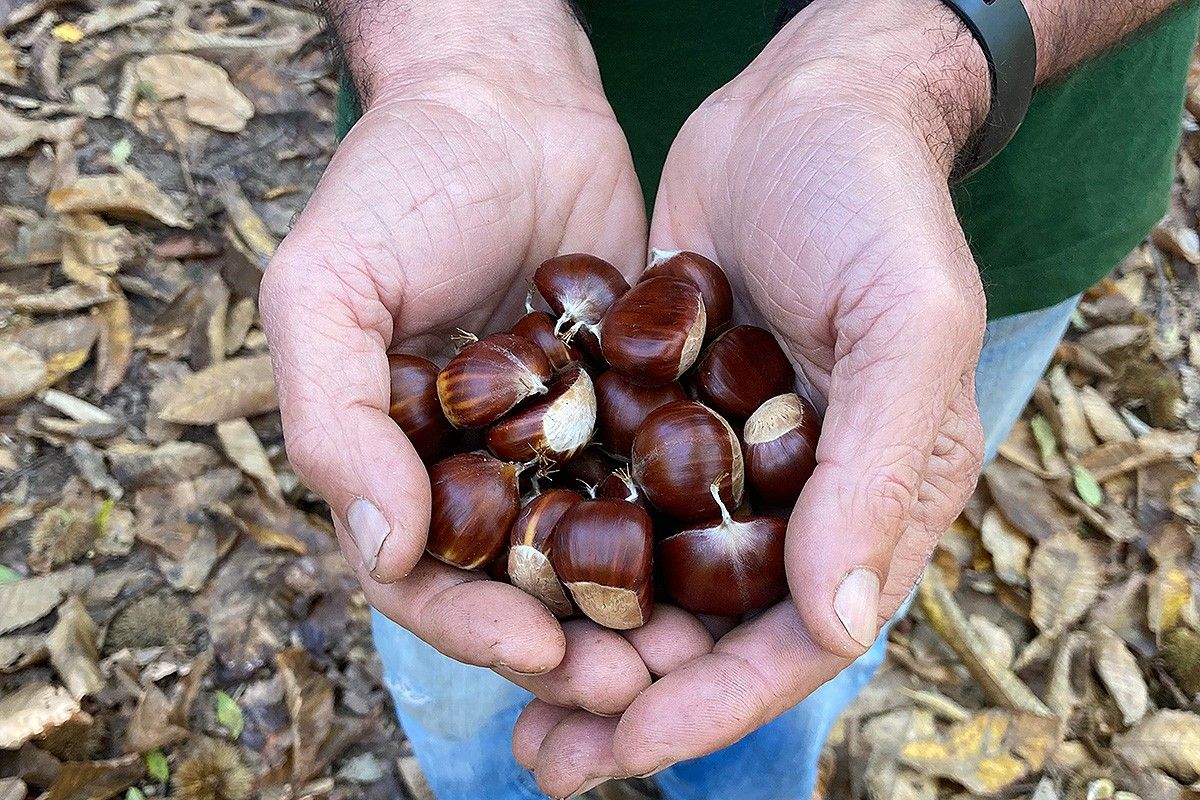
x=414 y=404
x=680 y=450
x=622 y=405
x=654 y=332
x=741 y=370
x=604 y=553
x=620 y=485
x=553 y=427
x=538 y=327
x=580 y=289
x=489 y=377
x=779 y=445
x=475 y=501
x=725 y=568
x=591 y=466
x=705 y=275
x=532 y=543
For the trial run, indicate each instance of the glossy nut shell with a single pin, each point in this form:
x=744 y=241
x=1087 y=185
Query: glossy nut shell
x=415 y=407
x=622 y=405
x=706 y=276
x=475 y=501
x=726 y=568
x=654 y=333
x=604 y=553
x=779 y=443
x=531 y=544
x=538 y=327
x=742 y=369
x=554 y=426
x=679 y=452
x=489 y=377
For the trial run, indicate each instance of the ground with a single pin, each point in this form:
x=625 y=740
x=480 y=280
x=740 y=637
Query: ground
x=175 y=618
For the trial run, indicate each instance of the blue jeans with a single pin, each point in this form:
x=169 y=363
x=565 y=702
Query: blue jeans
x=460 y=718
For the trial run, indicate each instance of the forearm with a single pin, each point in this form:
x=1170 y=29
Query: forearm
x=388 y=42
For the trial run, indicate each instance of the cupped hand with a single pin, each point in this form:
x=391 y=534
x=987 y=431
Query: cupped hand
x=818 y=179
x=456 y=183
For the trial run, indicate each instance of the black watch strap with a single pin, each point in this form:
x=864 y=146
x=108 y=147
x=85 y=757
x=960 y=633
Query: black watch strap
x=1003 y=30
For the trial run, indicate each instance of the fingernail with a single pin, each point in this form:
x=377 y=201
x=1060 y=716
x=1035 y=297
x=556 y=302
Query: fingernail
x=589 y=785
x=857 y=605
x=369 y=529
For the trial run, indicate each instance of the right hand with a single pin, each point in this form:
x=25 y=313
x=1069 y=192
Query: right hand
x=488 y=150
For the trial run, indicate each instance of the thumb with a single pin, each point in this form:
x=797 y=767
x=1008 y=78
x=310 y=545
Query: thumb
x=328 y=330
x=902 y=363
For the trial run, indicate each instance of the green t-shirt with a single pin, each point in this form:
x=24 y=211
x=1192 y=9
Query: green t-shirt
x=1086 y=177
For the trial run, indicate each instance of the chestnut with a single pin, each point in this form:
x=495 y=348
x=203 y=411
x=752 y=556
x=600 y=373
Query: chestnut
x=553 y=427
x=538 y=327
x=779 y=444
x=604 y=553
x=654 y=332
x=620 y=485
x=741 y=370
x=414 y=404
x=706 y=276
x=474 y=502
x=622 y=405
x=725 y=568
x=529 y=566
x=489 y=377
x=678 y=452
x=590 y=467
x=580 y=288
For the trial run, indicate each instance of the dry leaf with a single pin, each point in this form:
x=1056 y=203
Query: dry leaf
x=242 y=446
x=129 y=195
x=32 y=710
x=115 y=347
x=28 y=600
x=8 y=64
x=1065 y=579
x=96 y=780
x=72 y=297
x=1117 y=458
x=1008 y=547
x=1170 y=598
x=1177 y=239
x=1105 y=421
x=64 y=344
x=247 y=627
x=138 y=465
x=249 y=231
x=240 y=387
x=18 y=133
x=1168 y=740
x=21 y=650
x=1074 y=432
x=23 y=375
x=1025 y=501
x=310 y=706
x=987 y=753
x=150 y=726
x=72 y=646
x=209 y=98
x=1119 y=672
x=92 y=249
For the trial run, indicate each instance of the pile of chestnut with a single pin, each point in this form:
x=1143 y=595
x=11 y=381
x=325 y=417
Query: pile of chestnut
x=613 y=450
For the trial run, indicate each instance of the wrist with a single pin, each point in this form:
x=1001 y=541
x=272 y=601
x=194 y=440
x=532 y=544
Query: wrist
x=390 y=46
x=915 y=59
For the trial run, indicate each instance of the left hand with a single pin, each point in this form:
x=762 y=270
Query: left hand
x=818 y=178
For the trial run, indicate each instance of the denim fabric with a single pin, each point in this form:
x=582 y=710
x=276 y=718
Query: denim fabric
x=459 y=718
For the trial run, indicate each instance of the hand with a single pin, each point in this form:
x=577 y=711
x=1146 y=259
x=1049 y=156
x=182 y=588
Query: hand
x=474 y=161
x=818 y=178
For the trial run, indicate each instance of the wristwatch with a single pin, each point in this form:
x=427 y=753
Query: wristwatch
x=1005 y=34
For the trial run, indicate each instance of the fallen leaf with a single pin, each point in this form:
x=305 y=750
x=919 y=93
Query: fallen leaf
x=249 y=231
x=72 y=297
x=988 y=752
x=1177 y=239
x=8 y=64
x=1086 y=486
x=18 y=133
x=138 y=465
x=25 y=601
x=1119 y=672
x=73 y=651
x=64 y=344
x=229 y=714
x=243 y=447
x=23 y=375
x=1075 y=434
x=249 y=625
x=32 y=710
x=129 y=195
x=1104 y=420
x=95 y=780
x=150 y=726
x=310 y=706
x=1117 y=458
x=115 y=347
x=209 y=98
x=1065 y=578
x=1008 y=547
x=92 y=249
x=239 y=387
x=1170 y=601
x=1025 y=501
x=21 y=650
x=1168 y=740
x=157 y=767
